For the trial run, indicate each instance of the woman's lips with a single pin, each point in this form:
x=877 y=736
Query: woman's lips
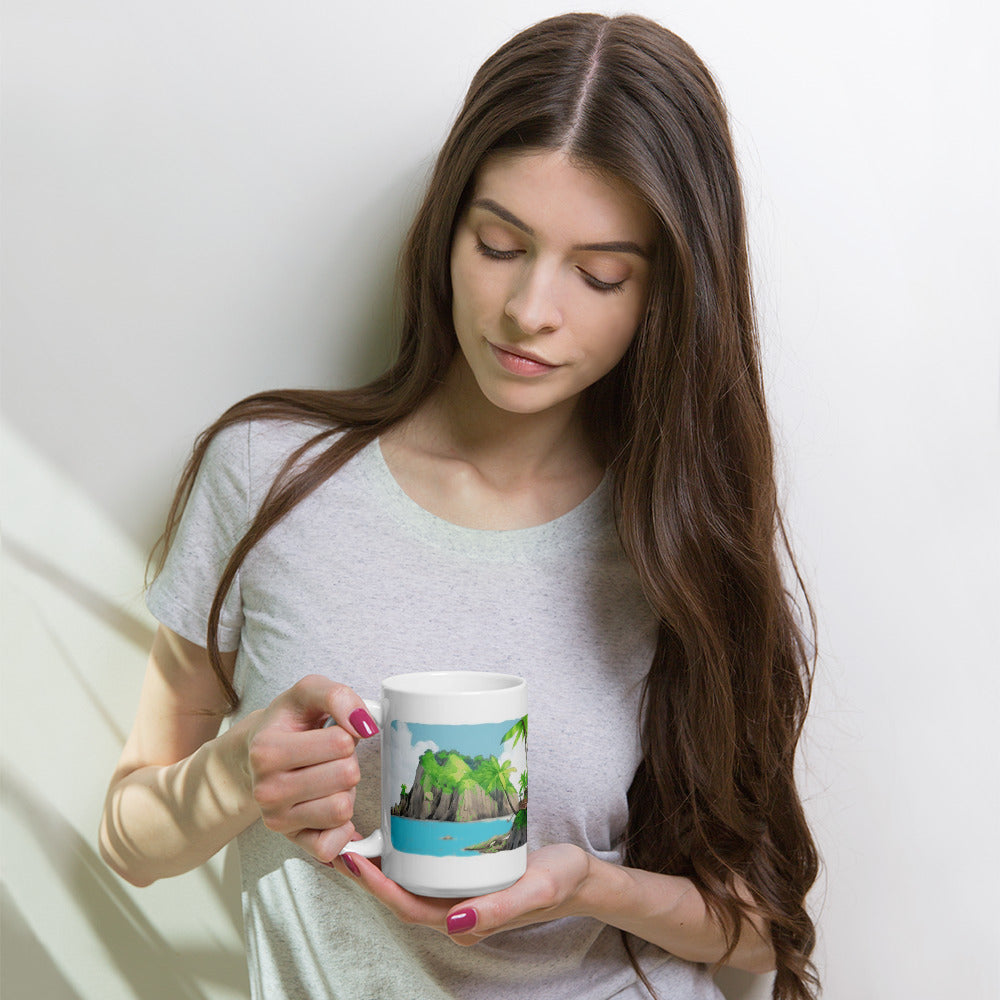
x=521 y=364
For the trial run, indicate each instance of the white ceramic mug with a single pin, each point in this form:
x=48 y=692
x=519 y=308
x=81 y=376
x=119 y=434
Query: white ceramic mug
x=454 y=782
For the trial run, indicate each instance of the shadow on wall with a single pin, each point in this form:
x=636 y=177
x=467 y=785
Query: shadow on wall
x=109 y=614
x=19 y=940
x=75 y=640
x=144 y=960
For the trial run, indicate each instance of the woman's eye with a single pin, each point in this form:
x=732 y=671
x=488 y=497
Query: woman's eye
x=496 y=254
x=493 y=252
x=601 y=286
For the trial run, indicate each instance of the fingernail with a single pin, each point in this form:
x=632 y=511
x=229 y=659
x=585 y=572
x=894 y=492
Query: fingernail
x=463 y=920
x=363 y=723
x=352 y=865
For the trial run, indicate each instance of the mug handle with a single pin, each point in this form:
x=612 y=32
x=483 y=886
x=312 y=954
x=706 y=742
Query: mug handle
x=371 y=846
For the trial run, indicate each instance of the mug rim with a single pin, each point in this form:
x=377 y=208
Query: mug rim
x=423 y=682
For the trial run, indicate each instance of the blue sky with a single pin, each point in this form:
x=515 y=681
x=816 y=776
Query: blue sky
x=408 y=741
x=483 y=739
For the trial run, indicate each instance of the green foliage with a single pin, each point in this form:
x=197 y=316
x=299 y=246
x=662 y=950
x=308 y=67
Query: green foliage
x=445 y=770
x=494 y=776
x=448 y=770
x=520 y=820
x=517 y=732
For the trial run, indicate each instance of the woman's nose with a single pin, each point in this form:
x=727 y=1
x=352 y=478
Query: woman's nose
x=533 y=303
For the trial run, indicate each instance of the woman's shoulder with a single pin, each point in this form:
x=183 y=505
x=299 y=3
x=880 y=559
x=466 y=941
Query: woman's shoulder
x=273 y=438
x=254 y=450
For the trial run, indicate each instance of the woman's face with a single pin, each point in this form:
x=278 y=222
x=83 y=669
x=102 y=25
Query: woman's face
x=550 y=272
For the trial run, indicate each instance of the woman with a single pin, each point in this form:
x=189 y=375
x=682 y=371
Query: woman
x=566 y=474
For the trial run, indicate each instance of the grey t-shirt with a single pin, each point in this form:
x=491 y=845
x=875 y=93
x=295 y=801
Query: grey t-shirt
x=359 y=582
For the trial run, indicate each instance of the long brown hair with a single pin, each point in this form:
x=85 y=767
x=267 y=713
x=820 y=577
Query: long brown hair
x=684 y=429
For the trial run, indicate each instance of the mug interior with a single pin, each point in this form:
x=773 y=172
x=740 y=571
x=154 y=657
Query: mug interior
x=451 y=682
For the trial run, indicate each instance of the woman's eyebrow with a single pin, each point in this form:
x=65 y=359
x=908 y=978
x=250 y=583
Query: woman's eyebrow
x=612 y=246
x=491 y=206
x=615 y=246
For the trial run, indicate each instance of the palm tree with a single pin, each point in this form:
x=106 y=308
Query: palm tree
x=496 y=776
x=518 y=732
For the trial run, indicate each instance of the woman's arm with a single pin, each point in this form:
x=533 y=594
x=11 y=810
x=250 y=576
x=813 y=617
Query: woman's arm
x=563 y=881
x=669 y=911
x=181 y=791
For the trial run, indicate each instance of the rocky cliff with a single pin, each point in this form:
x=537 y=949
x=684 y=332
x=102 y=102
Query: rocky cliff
x=452 y=788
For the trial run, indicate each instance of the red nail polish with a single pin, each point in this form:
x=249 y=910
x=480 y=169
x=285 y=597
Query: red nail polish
x=363 y=723
x=463 y=920
x=352 y=865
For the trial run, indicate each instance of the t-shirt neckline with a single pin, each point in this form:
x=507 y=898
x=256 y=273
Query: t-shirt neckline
x=581 y=526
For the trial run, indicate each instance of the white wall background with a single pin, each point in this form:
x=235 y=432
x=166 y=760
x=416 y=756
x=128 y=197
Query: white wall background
x=203 y=199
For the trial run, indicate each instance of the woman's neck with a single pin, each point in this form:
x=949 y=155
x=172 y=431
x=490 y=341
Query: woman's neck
x=470 y=462
x=505 y=446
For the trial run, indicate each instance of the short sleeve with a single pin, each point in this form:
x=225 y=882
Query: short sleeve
x=215 y=518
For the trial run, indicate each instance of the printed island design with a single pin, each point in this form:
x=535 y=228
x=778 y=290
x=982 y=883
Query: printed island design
x=462 y=789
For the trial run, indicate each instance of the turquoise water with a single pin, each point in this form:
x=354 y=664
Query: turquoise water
x=426 y=836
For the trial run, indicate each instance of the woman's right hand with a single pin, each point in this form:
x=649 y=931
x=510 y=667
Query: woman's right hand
x=302 y=765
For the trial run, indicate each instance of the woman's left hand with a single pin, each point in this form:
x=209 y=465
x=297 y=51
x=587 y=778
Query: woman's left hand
x=548 y=890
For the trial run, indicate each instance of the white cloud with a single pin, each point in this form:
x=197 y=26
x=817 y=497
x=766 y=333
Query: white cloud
x=405 y=755
x=516 y=755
